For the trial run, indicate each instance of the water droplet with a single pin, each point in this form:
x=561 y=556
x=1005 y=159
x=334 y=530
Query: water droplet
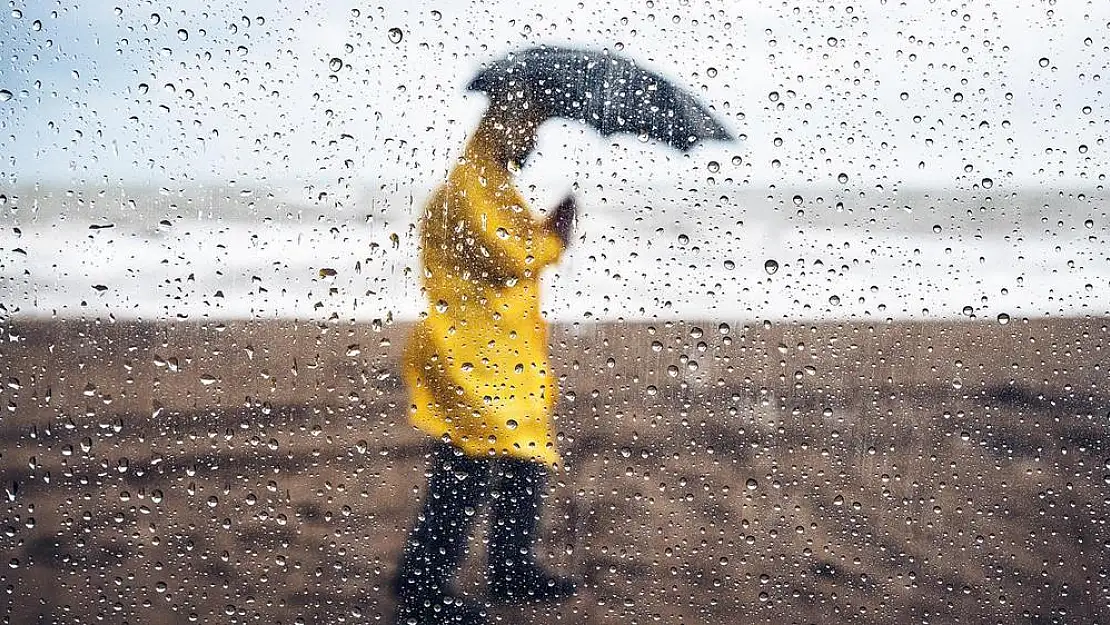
x=797 y=199
x=683 y=239
x=328 y=272
x=771 y=266
x=1003 y=318
x=730 y=265
x=436 y=15
x=5 y=95
x=713 y=167
x=842 y=178
x=773 y=96
x=512 y=424
x=208 y=379
x=724 y=328
x=1043 y=61
x=711 y=72
x=832 y=41
x=751 y=483
x=834 y=300
x=987 y=183
x=656 y=346
x=335 y=64
x=968 y=311
x=182 y=34
x=396 y=35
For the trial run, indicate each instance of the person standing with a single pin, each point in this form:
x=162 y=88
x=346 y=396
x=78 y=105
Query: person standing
x=479 y=378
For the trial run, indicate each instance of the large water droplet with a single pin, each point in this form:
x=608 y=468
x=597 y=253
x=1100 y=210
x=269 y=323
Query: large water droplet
x=5 y=95
x=396 y=35
x=771 y=266
x=335 y=64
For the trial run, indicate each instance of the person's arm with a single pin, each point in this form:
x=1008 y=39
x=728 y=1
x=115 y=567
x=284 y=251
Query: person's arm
x=510 y=237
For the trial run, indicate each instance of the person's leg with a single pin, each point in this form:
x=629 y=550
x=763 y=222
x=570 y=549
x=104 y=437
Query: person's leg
x=457 y=486
x=514 y=575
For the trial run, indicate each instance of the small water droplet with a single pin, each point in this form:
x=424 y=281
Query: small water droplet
x=335 y=64
x=713 y=167
x=771 y=266
x=842 y=178
x=751 y=483
x=1003 y=318
x=182 y=34
x=512 y=424
x=1043 y=61
x=396 y=35
x=987 y=183
x=5 y=95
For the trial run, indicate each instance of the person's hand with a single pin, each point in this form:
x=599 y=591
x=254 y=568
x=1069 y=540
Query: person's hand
x=562 y=220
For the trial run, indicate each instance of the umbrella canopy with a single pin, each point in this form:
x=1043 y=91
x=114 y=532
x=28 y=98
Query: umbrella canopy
x=609 y=92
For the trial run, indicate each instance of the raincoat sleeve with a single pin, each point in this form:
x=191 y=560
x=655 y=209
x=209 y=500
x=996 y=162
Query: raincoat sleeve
x=508 y=235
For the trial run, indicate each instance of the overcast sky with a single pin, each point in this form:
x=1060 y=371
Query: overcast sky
x=334 y=94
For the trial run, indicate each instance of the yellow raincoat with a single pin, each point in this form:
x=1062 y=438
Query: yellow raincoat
x=476 y=366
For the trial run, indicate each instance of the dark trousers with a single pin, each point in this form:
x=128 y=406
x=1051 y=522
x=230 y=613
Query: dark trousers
x=459 y=485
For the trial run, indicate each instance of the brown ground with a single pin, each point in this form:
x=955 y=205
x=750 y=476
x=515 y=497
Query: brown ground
x=793 y=473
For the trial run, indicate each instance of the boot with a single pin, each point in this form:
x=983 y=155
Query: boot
x=437 y=544
x=514 y=575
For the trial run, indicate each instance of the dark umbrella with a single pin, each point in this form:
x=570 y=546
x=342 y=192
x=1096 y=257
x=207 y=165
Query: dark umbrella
x=608 y=92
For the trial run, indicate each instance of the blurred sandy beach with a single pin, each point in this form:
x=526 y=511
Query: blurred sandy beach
x=872 y=472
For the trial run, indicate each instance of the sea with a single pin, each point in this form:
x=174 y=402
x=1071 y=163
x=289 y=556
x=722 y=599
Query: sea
x=726 y=250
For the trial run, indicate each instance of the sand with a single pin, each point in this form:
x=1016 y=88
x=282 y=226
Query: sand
x=868 y=472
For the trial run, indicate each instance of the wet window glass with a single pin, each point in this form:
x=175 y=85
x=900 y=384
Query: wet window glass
x=498 y=312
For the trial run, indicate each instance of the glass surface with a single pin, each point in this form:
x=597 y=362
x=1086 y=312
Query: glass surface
x=850 y=367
